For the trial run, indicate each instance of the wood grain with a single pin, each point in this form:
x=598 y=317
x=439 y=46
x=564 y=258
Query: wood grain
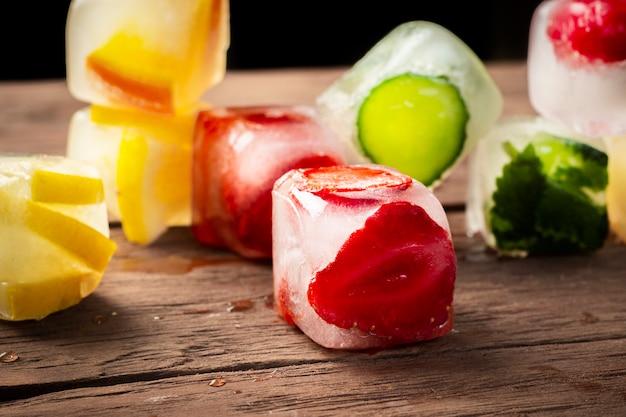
x=179 y=329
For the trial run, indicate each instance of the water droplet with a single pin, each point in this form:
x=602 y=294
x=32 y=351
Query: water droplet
x=217 y=382
x=9 y=356
x=99 y=319
x=266 y=377
x=589 y=318
x=239 y=305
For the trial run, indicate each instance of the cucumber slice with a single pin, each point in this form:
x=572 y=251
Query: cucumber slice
x=415 y=124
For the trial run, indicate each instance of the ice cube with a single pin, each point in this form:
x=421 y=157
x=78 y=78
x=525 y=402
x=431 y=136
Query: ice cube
x=419 y=101
x=145 y=163
x=577 y=64
x=616 y=189
x=55 y=241
x=238 y=154
x=156 y=55
x=536 y=186
x=363 y=257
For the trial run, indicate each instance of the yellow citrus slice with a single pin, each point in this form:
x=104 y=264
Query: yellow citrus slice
x=164 y=57
x=81 y=240
x=142 y=78
x=616 y=189
x=145 y=162
x=60 y=188
x=167 y=128
x=131 y=166
x=65 y=257
x=154 y=186
x=53 y=252
x=36 y=300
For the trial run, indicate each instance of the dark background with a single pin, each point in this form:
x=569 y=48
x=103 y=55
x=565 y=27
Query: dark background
x=271 y=34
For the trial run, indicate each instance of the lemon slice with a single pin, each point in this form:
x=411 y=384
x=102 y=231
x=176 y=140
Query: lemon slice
x=81 y=240
x=616 y=189
x=53 y=251
x=56 y=187
x=153 y=186
x=145 y=163
x=167 y=128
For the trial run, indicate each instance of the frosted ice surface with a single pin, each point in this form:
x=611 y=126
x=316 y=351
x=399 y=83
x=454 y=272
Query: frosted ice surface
x=489 y=157
x=417 y=47
x=239 y=152
x=98 y=143
x=588 y=97
x=150 y=53
x=308 y=233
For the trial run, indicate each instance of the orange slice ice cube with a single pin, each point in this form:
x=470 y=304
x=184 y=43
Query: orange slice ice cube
x=154 y=55
x=132 y=75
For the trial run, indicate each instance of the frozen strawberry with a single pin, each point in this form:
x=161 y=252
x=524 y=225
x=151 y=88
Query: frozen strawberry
x=589 y=30
x=363 y=257
x=577 y=64
x=238 y=154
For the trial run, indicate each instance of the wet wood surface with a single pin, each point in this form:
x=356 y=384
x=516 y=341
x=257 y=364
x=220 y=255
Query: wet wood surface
x=177 y=328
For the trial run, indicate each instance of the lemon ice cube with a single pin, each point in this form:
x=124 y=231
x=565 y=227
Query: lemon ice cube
x=55 y=245
x=145 y=163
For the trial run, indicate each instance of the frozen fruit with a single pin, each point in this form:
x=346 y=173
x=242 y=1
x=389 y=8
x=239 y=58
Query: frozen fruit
x=145 y=163
x=415 y=123
x=55 y=241
x=536 y=187
x=363 y=257
x=418 y=101
x=577 y=64
x=616 y=188
x=152 y=55
x=589 y=30
x=238 y=154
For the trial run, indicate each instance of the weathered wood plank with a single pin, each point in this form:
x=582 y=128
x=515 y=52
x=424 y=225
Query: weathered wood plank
x=164 y=310
x=538 y=336
x=569 y=379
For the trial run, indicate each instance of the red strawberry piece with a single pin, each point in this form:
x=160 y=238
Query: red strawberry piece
x=589 y=30
x=254 y=224
x=393 y=278
x=239 y=153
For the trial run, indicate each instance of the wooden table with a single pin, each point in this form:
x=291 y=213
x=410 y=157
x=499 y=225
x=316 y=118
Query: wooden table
x=178 y=329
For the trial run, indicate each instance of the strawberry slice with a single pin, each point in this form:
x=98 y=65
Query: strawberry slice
x=253 y=225
x=239 y=153
x=393 y=278
x=589 y=30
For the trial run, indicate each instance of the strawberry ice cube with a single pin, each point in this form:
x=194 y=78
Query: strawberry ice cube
x=577 y=64
x=239 y=152
x=363 y=257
